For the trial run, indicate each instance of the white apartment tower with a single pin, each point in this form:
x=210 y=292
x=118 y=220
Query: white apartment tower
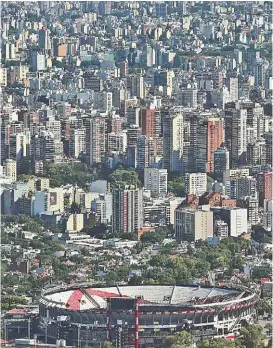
x=155 y=180
x=77 y=143
x=196 y=183
x=95 y=140
x=173 y=138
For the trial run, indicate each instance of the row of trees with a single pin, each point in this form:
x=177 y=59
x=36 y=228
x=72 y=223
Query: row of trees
x=195 y=263
x=251 y=337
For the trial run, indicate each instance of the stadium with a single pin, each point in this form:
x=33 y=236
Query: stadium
x=143 y=315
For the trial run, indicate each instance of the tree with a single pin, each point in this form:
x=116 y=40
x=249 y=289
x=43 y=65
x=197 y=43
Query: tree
x=107 y=344
x=75 y=208
x=156 y=236
x=219 y=343
x=252 y=336
x=124 y=177
x=63 y=174
x=183 y=340
x=264 y=306
x=260 y=235
x=111 y=278
x=177 y=186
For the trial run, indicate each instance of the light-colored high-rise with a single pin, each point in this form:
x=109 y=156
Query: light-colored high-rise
x=17 y=146
x=10 y=169
x=196 y=183
x=95 y=140
x=155 y=180
x=193 y=224
x=173 y=138
x=77 y=143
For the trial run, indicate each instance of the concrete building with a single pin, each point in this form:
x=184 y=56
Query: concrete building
x=252 y=206
x=236 y=136
x=173 y=135
x=127 y=209
x=102 y=207
x=44 y=39
x=233 y=88
x=10 y=169
x=117 y=142
x=38 y=61
x=236 y=219
x=267 y=220
x=193 y=224
x=77 y=142
x=17 y=146
x=74 y=223
x=221 y=229
x=235 y=173
x=103 y=101
x=145 y=148
x=48 y=201
x=237 y=188
x=221 y=161
x=155 y=180
x=196 y=183
x=95 y=140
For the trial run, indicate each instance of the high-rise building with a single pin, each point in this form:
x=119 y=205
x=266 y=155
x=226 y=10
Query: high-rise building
x=267 y=219
x=268 y=146
x=163 y=78
x=256 y=153
x=148 y=122
x=252 y=206
x=135 y=84
x=17 y=146
x=236 y=136
x=127 y=209
x=155 y=180
x=10 y=169
x=3 y=77
x=133 y=116
x=77 y=143
x=193 y=224
x=187 y=97
x=209 y=136
x=54 y=127
x=95 y=140
x=38 y=61
x=196 y=183
x=161 y=9
x=103 y=101
x=233 y=88
x=44 y=39
x=236 y=218
x=133 y=132
x=145 y=151
x=221 y=161
x=117 y=142
x=173 y=138
x=124 y=68
x=221 y=229
x=182 y=7
x=104 y=8
x=237 y=188
x=235 y=173
x=264 y=186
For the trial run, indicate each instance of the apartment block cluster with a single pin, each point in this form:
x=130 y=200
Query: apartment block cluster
x=161 y=87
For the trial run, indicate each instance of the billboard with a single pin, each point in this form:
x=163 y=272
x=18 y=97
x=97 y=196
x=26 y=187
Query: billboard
x=53 y=198
x=119 y=303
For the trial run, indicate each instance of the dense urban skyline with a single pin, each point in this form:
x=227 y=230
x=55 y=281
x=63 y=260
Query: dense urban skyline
x=136 y=164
